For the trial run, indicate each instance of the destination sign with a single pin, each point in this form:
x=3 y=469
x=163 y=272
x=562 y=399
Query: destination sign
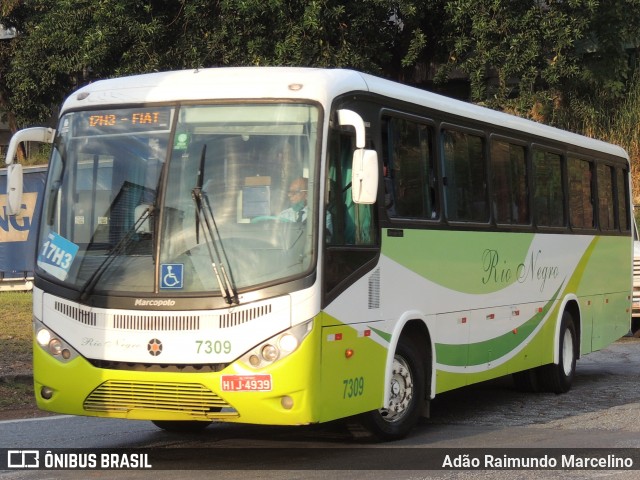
x=123 y=121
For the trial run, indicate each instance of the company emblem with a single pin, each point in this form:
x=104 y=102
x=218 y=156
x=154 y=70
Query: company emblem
x=154 y=347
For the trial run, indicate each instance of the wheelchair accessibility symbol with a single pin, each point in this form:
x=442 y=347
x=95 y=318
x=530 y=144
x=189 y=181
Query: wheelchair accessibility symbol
x=171 y=275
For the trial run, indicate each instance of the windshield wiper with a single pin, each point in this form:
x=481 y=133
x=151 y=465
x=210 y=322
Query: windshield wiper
x=120 y=247
x=218 y=256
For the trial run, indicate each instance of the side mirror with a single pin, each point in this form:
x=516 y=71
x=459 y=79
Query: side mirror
x=14 y=188
x=14 y=170
x=364 y=170
x=364 y=176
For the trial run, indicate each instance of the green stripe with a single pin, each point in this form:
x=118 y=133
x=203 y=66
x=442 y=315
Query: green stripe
x=383 y=335
x=492 y=349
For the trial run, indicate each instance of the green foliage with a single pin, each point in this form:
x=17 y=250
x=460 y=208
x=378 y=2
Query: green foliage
x=557 y=61
x=526 y=47
x=68 y=43
x=614 y=121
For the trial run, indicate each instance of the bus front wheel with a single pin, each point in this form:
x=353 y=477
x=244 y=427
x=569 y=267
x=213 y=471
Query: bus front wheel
x=406 y=395
x=558 y=378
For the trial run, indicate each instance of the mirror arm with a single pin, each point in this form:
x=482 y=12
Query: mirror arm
x=349 y=117
x=34 y=134
x=15 y=176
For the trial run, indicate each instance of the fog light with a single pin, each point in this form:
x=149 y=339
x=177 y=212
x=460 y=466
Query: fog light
x=254 y=360
x=286 y=402
x=269 y=353
x=66 y=354
x=46 y=393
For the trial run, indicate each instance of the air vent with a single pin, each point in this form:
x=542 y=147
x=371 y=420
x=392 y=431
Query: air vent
x=83 y=316
x=118 y=396
x=156 y=322
x=374 y=289
x=232 y=319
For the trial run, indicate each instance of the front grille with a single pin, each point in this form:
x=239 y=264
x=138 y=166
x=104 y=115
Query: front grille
x=238 y=317
x=79 y=314
x=119 y=396
x=157 y=322
x=162 y=321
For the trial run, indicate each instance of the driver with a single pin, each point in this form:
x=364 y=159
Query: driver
x=297 y=212
x=297 y=195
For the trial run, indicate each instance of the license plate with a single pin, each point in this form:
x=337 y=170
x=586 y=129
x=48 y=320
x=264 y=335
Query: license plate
x=245 y=383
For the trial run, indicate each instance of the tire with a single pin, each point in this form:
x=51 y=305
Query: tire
x=407 y=398
x=635 y=327
x=527 y=380
x=558 y=378
x=183 y=426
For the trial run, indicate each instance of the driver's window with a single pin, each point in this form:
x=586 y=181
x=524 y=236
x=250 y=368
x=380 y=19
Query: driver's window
x=354 y=238
x=353 y=224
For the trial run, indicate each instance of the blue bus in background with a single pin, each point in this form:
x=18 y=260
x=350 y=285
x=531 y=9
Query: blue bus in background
x=18 y=232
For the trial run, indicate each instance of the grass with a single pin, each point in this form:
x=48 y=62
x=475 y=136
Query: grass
x=16 y=392
x=16 y=395
x=15 y=327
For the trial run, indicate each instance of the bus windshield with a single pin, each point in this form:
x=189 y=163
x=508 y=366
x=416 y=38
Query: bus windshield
x=191 y=199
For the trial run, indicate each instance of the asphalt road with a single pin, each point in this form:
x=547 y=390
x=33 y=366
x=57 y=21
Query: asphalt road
x=602 y=411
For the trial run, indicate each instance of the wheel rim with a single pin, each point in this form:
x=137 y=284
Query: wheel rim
x=400 y=391
x=567 y=353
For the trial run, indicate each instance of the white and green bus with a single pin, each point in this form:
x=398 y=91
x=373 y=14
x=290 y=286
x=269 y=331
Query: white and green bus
x=289 y=246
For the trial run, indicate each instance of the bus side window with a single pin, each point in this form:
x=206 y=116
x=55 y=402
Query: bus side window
x=465 y=178
x=510 y=192
x=622 y=191
x=410 y=187
x=548 y=193
x=581 y=208
x=605 y=198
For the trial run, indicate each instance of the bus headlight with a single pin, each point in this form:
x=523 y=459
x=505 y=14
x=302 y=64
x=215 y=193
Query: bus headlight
x=52 y=343
x=269 y=353
x=43 y=337
x=277 y=347
x=288 y=342
x=55 y=347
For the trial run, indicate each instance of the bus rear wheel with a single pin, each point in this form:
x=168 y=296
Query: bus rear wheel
x=406 y=395
x=558 y=378
x=182 y=426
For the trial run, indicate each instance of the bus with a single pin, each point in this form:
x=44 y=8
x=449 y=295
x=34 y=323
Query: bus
x=290 y=246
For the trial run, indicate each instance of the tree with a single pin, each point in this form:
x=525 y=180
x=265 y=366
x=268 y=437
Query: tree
x=542 y=59
x=67 y=43
x=523 y=50
x=539 y=58
x=9 y=13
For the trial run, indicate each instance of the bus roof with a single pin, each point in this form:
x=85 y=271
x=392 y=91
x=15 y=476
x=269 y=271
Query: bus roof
x=321 y=85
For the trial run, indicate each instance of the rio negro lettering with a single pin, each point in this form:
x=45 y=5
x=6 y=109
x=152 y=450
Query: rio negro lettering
x=532 y=269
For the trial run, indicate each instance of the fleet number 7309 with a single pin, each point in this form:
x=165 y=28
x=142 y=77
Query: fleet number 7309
x=208 y=347
x=353 y=387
